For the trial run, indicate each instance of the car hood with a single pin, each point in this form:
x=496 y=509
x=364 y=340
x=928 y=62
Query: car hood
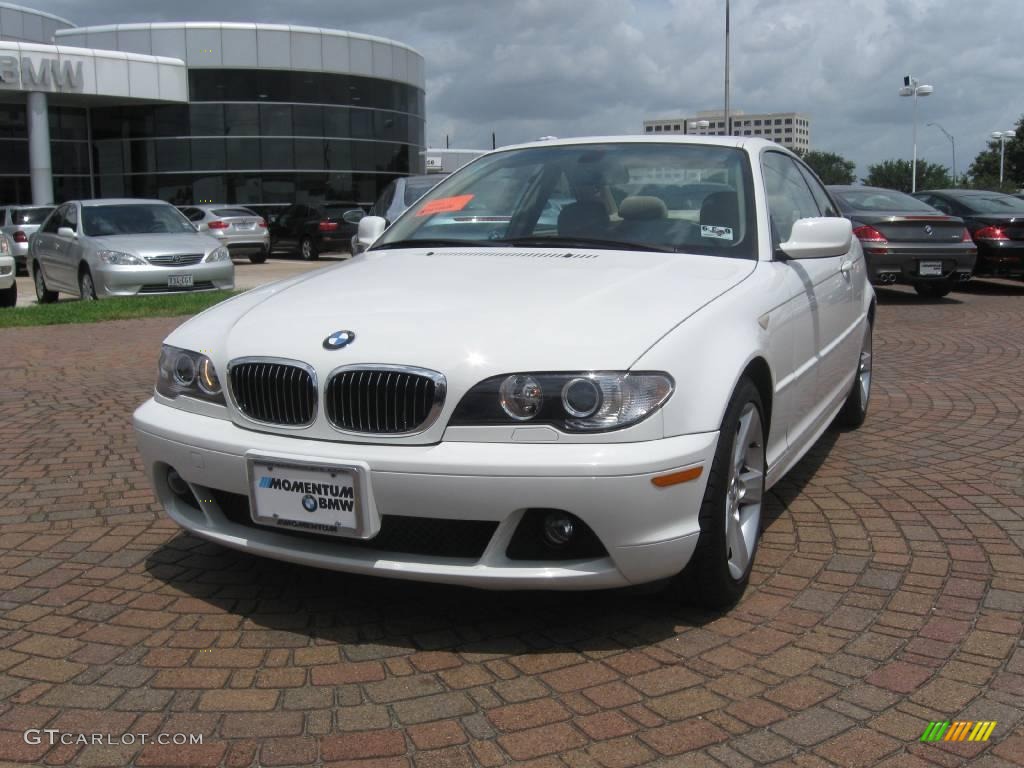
x=157 y=244
x=472 y=314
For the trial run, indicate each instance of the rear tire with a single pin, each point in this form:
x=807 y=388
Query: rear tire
x=258 y=258
x=86 y=287
x=730 y=515
x=933 y=289
x=43 y=295
x=307 y=249
x=9 y=296
x=855 y=409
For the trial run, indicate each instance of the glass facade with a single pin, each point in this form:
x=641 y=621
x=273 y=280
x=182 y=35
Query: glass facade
x=247 y=136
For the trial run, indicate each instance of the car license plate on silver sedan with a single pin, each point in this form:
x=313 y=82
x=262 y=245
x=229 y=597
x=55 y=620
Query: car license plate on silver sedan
x=930 y=269
x=179 y=281
x=306 y=497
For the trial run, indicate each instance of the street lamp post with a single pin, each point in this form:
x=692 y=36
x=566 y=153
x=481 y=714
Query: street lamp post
x=728 y=130
x=1001 y=137
x=952 y=141
x=911 y=87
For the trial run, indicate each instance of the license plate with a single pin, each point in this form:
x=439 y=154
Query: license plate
x=306 y=497
x=245 y=226
x=179 y=281
x=930 y=268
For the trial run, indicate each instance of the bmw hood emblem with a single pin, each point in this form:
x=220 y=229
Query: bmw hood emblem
x=339 y=339
x=928 y=229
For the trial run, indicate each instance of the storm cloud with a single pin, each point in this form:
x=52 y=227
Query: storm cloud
x=527 y=68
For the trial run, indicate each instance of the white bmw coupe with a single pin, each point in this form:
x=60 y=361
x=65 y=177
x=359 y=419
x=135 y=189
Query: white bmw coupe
x=574 y=364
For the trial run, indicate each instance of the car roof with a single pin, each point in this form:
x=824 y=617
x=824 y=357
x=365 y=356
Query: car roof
x=215 y=206
x=859 y=187
x=117 y=201
x=750 y=143
x=960 y=192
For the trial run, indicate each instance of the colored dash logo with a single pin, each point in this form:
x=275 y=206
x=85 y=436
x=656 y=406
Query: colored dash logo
x=959 y=730
x=265 y=482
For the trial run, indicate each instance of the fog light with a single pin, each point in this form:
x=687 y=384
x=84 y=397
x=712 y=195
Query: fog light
x=177 y=484
x=558 y=529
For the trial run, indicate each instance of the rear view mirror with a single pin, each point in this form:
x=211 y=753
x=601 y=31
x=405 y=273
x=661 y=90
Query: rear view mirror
x=370 y=228
x=66 y=232
x=354 y=216
x=818 y=238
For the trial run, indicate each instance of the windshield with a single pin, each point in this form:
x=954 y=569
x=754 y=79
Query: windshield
x=631 y=195
x=417 y=188
x=993 y=203
x=29 y=215
x=233 y=212
x=882 y=200
x=134 y=219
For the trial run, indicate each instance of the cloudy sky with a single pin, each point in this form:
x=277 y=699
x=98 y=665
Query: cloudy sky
x=527 y=68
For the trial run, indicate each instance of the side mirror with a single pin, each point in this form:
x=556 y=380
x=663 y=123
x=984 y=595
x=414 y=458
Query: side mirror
x=354 y=216
x=370 y=228
x=818 y=238
x=66 y=232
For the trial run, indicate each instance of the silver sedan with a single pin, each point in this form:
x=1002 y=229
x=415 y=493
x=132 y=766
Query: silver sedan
x=244 y=232
x=97 y=248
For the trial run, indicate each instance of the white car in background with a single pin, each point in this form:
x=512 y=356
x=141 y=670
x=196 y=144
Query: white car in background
x=511 y=400
x=98 y=248
x=8 y=271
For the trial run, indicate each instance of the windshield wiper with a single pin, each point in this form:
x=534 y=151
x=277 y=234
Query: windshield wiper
x=583 y=242
x=437 y=243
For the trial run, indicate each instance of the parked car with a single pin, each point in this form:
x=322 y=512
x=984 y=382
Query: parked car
x=21 y=222
x=8 y=273
x=241 y=230
x=908 y=241
x=398 y=196
x=995 y=221
x=504 y=404
x=97 y=248
x=312 y=229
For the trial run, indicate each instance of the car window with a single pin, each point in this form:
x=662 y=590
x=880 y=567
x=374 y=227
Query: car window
x=789 y=198
x=30 y=215
x=937 y=202
x=993 y=202
x=380 y=208
x=882 y=200
x=193 y=214
x=55 y=222
x=71 y=216
x=3 y=217
x=417 y=188
x=133 y=219
x=821 y=197
x=233 y=212
x=594 y=193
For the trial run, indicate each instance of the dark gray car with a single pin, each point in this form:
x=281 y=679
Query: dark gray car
x=907 y=241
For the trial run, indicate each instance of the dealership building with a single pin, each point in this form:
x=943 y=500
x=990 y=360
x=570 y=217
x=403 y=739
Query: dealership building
x=203 y=111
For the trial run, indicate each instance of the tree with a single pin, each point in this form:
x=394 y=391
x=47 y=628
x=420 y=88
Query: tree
x=984 y=171
x=895 y=174
x=830 y=167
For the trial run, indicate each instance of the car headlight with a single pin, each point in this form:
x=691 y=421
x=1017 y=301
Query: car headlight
x=183 y=372
x=120 y=258
x=219 y=254
x=573 y=402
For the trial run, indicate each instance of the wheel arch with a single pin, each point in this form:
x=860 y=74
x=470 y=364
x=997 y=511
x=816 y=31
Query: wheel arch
x=760 y=373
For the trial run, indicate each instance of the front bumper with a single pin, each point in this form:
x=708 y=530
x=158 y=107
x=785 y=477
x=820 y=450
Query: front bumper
x=113 y=280
x=649 y=532
x=902 y=262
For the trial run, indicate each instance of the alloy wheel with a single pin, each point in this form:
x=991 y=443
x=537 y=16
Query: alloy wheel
x=864 y=369
x=745 y=491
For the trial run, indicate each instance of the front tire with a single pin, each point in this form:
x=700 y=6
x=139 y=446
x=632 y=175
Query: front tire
x=730 y=515
x=855 y=409
x=43 y=295
x=307 y=249
x=933 y=289
x=9 y=296
x=86 y=287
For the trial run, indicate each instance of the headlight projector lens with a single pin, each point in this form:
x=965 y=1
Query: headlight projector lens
x=581 y=397
x=184 y=370
x=521 y=397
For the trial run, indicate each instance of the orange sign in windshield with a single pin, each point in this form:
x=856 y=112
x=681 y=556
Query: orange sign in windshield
x=445 y=205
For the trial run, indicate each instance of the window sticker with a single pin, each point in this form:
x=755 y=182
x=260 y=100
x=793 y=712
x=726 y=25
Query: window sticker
x=717 y=233
x=445 y=205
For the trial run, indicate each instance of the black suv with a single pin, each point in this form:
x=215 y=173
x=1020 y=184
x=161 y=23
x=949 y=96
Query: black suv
x=310 y=229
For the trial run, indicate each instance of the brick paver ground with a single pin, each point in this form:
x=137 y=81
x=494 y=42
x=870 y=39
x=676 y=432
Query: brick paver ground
x=888 y=592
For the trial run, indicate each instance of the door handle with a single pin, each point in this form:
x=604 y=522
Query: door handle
x=846 y=267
